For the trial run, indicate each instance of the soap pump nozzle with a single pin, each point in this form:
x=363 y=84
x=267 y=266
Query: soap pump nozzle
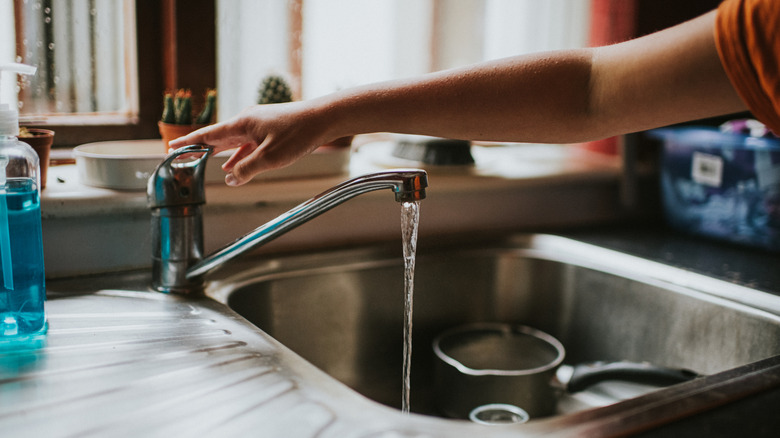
x=9 y=116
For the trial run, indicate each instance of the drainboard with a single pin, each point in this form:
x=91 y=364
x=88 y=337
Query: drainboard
x=343 y=311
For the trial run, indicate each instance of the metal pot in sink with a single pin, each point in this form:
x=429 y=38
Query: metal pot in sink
x=506 y=367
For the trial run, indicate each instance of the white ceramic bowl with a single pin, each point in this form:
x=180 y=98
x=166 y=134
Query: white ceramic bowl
x=127 y=164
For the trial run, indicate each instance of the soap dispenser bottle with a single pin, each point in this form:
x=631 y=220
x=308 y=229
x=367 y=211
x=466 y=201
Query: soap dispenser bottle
x=22 y=284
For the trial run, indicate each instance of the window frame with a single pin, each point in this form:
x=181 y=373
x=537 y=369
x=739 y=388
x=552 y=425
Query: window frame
x=169 y=55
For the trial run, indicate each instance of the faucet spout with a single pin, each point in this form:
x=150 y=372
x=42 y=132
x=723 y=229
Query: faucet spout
x=176 y=193
x=408 y=186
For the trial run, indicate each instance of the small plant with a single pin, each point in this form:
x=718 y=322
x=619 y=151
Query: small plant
x=177 y=108
x=205 y=117
x=274 y=89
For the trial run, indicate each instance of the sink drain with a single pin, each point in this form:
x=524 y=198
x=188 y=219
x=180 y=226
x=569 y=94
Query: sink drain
x=498 y=413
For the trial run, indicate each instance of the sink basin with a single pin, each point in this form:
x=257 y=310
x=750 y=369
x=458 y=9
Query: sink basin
x=343 y=311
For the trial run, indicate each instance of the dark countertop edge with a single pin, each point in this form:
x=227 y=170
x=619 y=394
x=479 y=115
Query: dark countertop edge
x=746 y=266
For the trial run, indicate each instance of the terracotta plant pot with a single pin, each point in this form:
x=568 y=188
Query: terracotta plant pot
x=41 y=141
x=170 y=131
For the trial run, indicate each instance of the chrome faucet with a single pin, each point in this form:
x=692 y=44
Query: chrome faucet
x=175 y=194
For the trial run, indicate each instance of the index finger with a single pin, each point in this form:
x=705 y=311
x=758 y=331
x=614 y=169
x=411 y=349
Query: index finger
x=198 y=136
x=222 y=136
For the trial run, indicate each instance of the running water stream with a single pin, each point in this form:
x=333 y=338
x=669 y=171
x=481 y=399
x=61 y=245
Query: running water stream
x=410 y=219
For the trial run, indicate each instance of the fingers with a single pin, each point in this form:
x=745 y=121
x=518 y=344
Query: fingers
x=191 y=138
x=222 y=136
x=247 y=161
x=237 y=156
x=244 y=164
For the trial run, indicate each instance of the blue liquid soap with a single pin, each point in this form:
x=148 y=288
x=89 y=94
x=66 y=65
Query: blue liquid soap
x=21 y=307
x=22 y=288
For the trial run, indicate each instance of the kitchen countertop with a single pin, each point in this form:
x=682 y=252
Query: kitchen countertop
x=750 y=267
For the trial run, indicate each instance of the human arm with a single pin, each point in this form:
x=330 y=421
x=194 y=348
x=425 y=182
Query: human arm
x=561 y=97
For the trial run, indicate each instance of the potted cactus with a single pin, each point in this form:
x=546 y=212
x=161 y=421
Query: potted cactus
x=178 y=118
x=274 y=89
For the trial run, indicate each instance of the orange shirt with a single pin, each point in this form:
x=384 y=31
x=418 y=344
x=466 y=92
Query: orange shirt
x=746 y=33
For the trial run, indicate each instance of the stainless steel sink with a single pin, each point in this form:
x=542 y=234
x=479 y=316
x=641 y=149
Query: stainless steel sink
x=343 y=310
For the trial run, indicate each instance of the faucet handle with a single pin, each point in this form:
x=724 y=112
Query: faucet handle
x=178 y=180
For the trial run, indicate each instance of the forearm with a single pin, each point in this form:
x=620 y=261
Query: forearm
x=515 y=99
x=561 y=97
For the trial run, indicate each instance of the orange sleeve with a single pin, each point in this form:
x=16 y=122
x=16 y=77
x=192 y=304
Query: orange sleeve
x=746 y=34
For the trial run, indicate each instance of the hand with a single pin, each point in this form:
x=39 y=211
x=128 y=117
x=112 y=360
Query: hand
x=266 y=137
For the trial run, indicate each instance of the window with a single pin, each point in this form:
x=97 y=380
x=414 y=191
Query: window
x=99 y=78
x=324 y=45
x=85 y=54
x=86 y=57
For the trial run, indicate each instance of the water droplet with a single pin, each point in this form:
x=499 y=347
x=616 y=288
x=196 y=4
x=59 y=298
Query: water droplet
x=51 y=46
x=47 y=10
x=47 y=20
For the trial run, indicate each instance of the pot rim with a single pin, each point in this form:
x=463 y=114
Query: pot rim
x=502 y=328
x=39 y=132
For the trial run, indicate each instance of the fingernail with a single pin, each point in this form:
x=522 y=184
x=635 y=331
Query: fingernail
x=231 y=180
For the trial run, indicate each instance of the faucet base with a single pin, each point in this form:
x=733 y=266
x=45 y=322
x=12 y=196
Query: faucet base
x=174 y=284
x=178 y=244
